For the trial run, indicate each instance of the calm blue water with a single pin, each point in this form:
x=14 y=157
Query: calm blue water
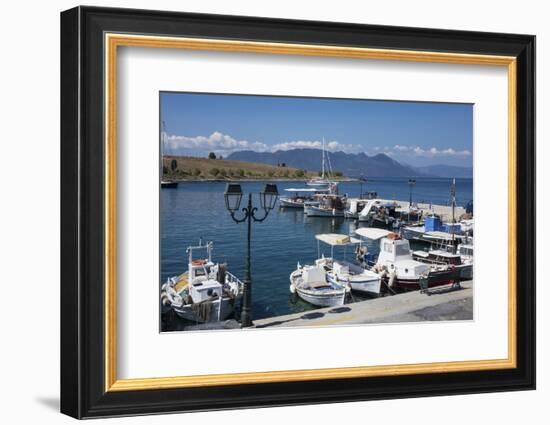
x=197 y=209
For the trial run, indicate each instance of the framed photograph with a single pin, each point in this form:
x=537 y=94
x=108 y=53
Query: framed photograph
x=261 y=212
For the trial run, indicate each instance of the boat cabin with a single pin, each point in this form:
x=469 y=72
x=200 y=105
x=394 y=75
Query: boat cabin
x=395 y=253
x=204 y=282
x=314 y=277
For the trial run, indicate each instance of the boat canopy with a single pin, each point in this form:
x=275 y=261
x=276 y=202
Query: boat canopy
x=334 y=239
x=372 y=233
x=305 y=189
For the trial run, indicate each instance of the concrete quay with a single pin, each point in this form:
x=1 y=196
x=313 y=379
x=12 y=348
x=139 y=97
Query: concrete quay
x=444 y=303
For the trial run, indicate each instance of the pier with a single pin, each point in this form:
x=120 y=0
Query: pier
x=443 y=303
x=444 y=211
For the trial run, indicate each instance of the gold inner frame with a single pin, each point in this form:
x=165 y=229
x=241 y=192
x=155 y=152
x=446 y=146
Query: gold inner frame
x=113 y=41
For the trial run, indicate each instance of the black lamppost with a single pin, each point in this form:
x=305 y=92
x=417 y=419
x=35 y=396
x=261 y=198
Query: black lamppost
x=233 y=195
x=412 y=182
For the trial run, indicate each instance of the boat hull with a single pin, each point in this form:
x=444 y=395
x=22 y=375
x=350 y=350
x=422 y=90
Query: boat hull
x=438 y=278
x=169 y=185
x=371 y=286
x=320 y=299
x=312 y=211
x=207 y=312
x=289 y=203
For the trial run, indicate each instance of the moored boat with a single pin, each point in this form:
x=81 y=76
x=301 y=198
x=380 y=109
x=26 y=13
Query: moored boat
x=168 y=184
x=207 y=292
x=397 y=267
x=301 y=197
x=329 y=206
x=328 y=280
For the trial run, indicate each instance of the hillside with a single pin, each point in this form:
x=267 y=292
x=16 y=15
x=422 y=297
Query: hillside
x=352 y=165
x=194 y=168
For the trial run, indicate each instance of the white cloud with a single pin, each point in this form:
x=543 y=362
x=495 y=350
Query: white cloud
x=217 y=142
x=225 y=144
x=333 y=146
x=432 y=152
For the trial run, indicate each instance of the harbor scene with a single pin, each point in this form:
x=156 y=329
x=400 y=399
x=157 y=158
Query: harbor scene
x=309 y=236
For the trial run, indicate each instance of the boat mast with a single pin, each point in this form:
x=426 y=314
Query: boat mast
x=453 y=205
x=323 y=160
x=162 y=148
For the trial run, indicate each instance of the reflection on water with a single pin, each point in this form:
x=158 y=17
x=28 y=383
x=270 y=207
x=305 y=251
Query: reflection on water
x=197 y=210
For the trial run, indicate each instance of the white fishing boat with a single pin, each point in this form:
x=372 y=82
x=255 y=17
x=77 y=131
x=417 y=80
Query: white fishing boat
x=207 y=292
x=330 y=205
x=311 y=285
x=397 y=267
x=328 y=281
x=301 y=197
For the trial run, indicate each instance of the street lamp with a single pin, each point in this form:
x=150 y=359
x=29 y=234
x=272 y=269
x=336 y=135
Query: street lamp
x=412 y=182
x=268 y=198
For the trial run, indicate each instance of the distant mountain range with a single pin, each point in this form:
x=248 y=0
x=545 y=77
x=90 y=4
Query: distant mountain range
x=443 y=170
x=351 y=165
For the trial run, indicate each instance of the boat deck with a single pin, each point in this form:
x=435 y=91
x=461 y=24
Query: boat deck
x=182 y=282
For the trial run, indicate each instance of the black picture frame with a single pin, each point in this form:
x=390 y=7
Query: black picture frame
x=83 y=392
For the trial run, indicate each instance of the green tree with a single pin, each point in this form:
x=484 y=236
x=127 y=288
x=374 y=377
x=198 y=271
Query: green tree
x=214 y=171
x=271 y=173
x=299 y=173
x=174 y=165
x=211 y=155
x=164 y=170
x=240 y=172
x=196 y=172
x=223 y=172
x=338 y=174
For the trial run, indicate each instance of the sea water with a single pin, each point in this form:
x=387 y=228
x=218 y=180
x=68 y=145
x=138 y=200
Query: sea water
x=196 y=210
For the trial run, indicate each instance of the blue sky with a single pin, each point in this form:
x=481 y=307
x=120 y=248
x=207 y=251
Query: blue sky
x=415 y=133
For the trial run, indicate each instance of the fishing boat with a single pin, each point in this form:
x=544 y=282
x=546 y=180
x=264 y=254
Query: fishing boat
x=311 y=285
x=168 y=184
x=464 y=264
x=207 y=292
x=354 y=207
x=434 y=232
x=398 y=269
x=302 y=196
x=330 y=205
x=327 y=282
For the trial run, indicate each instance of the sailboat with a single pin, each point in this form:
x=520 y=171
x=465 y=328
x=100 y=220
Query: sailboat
x=165 y=183
x=324 y=179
